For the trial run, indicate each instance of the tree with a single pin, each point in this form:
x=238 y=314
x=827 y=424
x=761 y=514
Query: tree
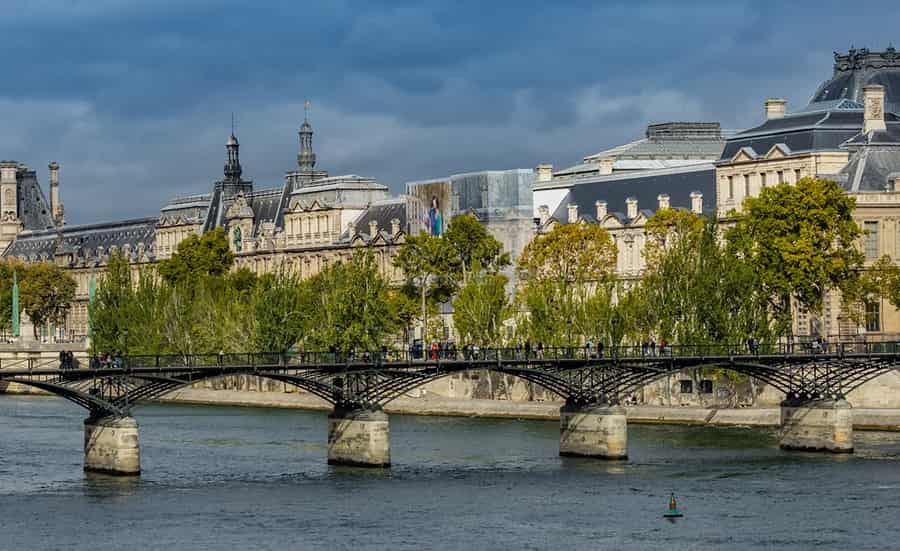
x=47 y=293
x=480 y=308
x=694 y=290
x=108 y=314
x=350 y=306
x=475 y=248
x=196 y=256
x=283 y=306
x=801 y=241
x=428 y=263
x=562 y=271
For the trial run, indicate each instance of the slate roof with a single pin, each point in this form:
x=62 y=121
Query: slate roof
x=802 y=132
x=382 y=212
x=86 y=242
x=645 y=186
x=858 y=68
x=33 y=207
x=874 y=161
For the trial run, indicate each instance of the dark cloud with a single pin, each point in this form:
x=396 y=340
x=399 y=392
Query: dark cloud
x=134 y=98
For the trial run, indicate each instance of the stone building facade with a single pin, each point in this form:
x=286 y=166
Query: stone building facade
x=311 y=220
x=850 y=133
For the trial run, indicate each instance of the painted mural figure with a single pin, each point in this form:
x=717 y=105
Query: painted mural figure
x=434 y=217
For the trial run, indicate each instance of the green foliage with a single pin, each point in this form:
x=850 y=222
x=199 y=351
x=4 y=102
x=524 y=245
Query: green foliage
x=47 y=293
x=476 y=249
x=429 y=266
x=801 y=241
x=480 y=309
x=198 y=256
x=694 y=289
x=282 y=311
x=350 y=306
x=568 y=281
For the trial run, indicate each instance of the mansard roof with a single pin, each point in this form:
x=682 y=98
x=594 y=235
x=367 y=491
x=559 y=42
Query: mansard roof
x=88 y=243
x=382 y=212
x=801 y=132
x=644 y=186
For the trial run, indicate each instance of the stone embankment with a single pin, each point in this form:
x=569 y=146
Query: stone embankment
x=863 y=419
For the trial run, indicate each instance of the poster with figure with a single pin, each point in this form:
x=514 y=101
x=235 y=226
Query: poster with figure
x=435 y=223
x=428 y=206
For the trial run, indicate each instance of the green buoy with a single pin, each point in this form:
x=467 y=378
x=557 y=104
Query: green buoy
x=673 y=511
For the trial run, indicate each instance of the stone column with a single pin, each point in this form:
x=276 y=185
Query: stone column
x=593 y=431
x=820 y=425
x=111 y=445
x=359 y=437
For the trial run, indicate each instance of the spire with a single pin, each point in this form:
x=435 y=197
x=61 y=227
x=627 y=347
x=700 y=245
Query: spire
x=306 y=159
x=232 y=158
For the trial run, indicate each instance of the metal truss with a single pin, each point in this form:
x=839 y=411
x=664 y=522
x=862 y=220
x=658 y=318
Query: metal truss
x=370 y=382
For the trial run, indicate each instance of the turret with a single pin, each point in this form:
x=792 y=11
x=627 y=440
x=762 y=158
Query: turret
x=306 y=159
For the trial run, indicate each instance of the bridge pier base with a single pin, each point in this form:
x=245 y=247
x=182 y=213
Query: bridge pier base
x=821 y=425
x=111 y=445
x=593 y=431
x=359 y=437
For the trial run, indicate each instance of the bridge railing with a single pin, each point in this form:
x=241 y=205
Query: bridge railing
x=523 y=353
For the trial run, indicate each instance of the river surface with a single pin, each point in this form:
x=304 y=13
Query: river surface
x=243 y=478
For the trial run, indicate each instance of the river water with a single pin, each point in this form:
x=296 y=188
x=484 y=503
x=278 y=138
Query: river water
x=242 y=478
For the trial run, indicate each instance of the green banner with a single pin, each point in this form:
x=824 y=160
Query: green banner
x=15 y=306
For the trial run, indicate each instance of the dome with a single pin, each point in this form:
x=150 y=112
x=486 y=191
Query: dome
x=305 y=127
x=859 y=68
x=232 y=140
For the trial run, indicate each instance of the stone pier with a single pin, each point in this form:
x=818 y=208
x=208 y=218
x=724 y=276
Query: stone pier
x=111 y=445
x=593 y=431
x=820 y=425
x=359 y=437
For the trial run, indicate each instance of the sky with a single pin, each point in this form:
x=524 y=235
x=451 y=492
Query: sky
x=134 y=98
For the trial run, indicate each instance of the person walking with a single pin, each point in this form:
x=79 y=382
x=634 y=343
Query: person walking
x=599 y=349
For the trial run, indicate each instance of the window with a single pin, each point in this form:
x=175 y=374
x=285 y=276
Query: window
x=871 y=239
x=780 y=174
x=705 y=386
x=873 y=316
x=731 y=187
x=796 y=175
x=746 y=185
x=762 y=180
x=687 y=386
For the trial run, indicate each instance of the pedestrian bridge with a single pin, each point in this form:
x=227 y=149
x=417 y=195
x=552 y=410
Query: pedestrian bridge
x=815 y=413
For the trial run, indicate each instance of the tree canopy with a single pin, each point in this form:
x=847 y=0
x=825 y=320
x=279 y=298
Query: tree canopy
x=197 y=256
x=801 y=241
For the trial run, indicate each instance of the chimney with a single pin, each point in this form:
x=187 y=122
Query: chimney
x=873 y=100
x=606 y=165
x=601 y=210
x=544 y=214
x=573 y=213
x=663 y=200
x=775 y=108
x=631 y=208
x=544 y=173
x=9 y=190
x=395 y=227
x=351 y=229
x=696 y=202
x=373 y=228
x=55 y=205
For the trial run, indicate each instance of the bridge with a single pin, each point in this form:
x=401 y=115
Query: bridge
x=815 y=413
